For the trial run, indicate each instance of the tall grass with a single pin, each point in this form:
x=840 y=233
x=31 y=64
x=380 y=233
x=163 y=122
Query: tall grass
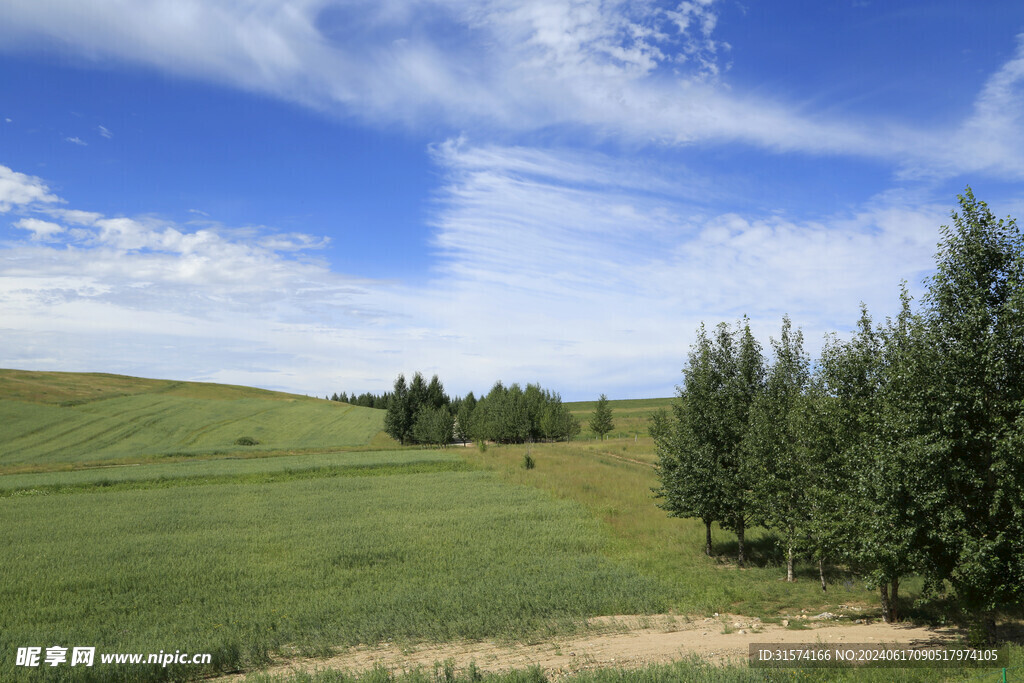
x=688 y=670
x=243 y=570
x=619 y=493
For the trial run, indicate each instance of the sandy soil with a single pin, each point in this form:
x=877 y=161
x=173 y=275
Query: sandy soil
x=626 y=641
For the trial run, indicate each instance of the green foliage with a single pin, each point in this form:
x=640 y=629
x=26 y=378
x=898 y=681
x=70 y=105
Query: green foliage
x=701 y=463
x=969 y=420
x=246 y=441
x=464 y=418
x=419 y=412
x=557 y=422
x=528 y=462
x=783 y=473
x=400 y=416
x=902 y=454
x=434 y=425
x=513 y=415
x=602 y=421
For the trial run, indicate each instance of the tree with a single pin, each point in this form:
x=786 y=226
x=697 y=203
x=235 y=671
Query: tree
x=417 y=395
x=700 y=460
x=557 y=422
x=969 y=415
x=399 y=419
x=687 y=489
x=601 y=422
x=740 y=369
x=464 y=418
x=433 y=426
x=434 y=395
x=782 y=471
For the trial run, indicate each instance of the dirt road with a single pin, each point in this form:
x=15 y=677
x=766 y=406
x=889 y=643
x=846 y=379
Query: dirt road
x=627 y=641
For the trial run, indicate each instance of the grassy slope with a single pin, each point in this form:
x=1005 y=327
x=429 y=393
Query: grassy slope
x=613 y=479
x=630 y=416
x=52 y=418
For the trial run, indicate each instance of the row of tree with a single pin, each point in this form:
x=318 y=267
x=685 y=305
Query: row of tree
x=364 y=400
x=419 y=412
x=899 y=452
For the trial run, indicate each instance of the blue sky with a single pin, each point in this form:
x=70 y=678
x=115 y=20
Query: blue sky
x=315 y=195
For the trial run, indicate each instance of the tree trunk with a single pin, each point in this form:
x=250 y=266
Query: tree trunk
x=894 y=597
x=789 y=564
x=886 y=605
x=821 y=573
x=707 y=540
x=739 y=535
x=988 y=624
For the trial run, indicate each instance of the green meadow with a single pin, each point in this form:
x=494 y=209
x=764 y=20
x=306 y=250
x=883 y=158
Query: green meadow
x=630 y=415
x=301 y=564
x=259 y=555
x=60 y=419
x=613 y=479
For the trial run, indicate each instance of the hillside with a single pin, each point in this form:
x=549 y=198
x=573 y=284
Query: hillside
x=50 y=418
x=631 y=416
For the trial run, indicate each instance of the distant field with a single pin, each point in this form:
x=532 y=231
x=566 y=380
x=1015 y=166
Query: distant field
x=48 y=419
x=631 y=416
x=242 y=569
x=216 y=469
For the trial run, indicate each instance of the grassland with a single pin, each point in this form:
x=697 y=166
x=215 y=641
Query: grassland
x=613 y=480
x=631 y=416
x=248 y=557
x=54 y=419
x=244 y=569
x=201 y=471
x=688 y=670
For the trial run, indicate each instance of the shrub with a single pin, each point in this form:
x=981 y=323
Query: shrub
x=246 y=441
x=528 y=462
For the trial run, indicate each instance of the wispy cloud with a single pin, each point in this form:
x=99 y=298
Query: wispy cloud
x=104 y=132
x=615 y=279
x=76 y=141
x=636 y=70
x=577 y=270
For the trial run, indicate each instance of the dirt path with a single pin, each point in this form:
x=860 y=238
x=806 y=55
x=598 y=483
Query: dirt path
x=625 y=641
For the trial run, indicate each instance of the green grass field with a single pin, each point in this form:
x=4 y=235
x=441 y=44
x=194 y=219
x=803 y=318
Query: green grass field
x=613 y=480
x=53 y=419
x=686 y=670
x=243 y=569
x=213 y=469
x=631 y=416
x=249 y=557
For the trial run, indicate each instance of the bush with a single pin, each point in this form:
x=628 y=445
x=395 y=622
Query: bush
x=246 y=441
x=528 y=462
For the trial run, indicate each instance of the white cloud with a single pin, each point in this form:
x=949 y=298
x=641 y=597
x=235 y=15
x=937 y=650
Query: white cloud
x=585 y=273
x=41 y=230
x=76 y=141
x=992 y=138
x=573 y=277
x=18 y=189
x=632 y=69
x=104 y=132
x=640 y=71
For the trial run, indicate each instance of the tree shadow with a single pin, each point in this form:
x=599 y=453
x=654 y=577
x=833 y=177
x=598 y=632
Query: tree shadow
x=760 y=552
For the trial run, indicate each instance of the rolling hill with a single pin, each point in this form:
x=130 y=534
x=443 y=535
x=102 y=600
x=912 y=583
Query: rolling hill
x=53 y=418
